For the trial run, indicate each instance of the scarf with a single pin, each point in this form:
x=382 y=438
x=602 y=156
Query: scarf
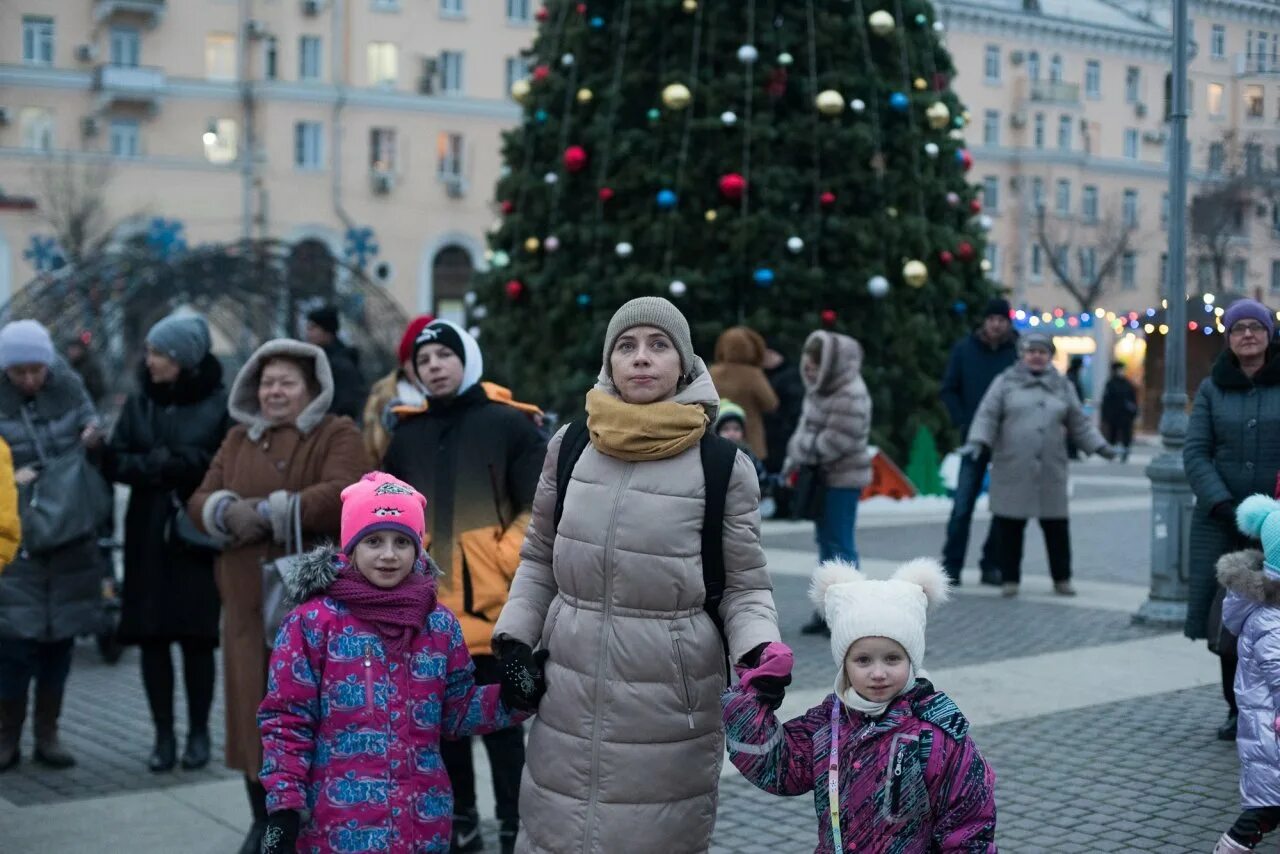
x=859 y=703
x=636 y=432
x=397 y=613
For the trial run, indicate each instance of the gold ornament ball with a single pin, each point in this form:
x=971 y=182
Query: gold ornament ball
x=585 y=96
x=915 y=274
x=830 y=102
x=520 y=91
x=711 y=216
x=891 y=212
x=957 y=135
x=881 y=23
x=532 y=244
x=921 y=84
x=938 y=114
x=689 y=6
x=677 y=96
x=985 y=265
x=966 y=115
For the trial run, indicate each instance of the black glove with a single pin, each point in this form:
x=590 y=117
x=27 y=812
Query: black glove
x=281 y=835
x=523 y=680
x=1224 y=511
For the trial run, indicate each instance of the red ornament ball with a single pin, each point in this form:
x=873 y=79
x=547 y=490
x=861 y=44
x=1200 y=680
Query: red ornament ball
x=575 y=158
x=946 y=257
x=827 y=199
x=732 y=186
x=542 y=14
x=606 y=194
x=965 y=251
x=508 y=207
x=975 y=207
x=541 y=73
x=582 y=8
x=515 y=289
x=828 y=317
x=966 y=159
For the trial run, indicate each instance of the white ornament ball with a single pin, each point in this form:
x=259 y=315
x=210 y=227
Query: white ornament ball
x=480 y=312
x=957 y=135
x=624 y=249
x=567 y=60
x=495 y=227
x=551 y=244
x=469 y=298
x=985 y=222
x=938 y=27
x=474 y=332
x=501 y=259
x=678 y=288
x=858 y=105
x=785 y=59
x=748 y=54
x=729 y=118
x=504 y=171
x=551 y=177
x=953 y=199
x=795 y=245
x=878 y=286
x=931 y=149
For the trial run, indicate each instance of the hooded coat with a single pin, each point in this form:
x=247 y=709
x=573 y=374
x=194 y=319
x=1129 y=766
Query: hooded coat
x=626 y=750
x=162 y=445
x=58 y=595
x=1251 y=611
x=1231 y=453
x=835 y=420
x=351 y=734
x=316 y=457
x=739 y=376
x=1024 y=419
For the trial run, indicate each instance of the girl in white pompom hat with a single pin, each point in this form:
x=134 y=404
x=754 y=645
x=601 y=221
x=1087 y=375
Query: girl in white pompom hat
x=888 y=759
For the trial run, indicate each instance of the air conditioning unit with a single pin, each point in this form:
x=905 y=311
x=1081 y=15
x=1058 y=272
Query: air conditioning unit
x=455 y=186
x=1140 y=110
x=86 y=52
x=383 y=180
x=1018 y=120
x=255 y=29
x=1155 y=137
x=5 y=116
x=427 y=82
x=90 y=125
x=312 y=8
x=1016 y=57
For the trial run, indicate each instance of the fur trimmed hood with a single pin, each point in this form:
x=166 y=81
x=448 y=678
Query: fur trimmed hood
x=1241 y=572
x=320 y=566
x=242 y=403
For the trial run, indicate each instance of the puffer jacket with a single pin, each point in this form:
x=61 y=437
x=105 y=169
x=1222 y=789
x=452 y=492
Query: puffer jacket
x=351 y=737
x=739 y=376
x=835 y=421
x=1024 y=419
x=626 y=750
x=911 y=781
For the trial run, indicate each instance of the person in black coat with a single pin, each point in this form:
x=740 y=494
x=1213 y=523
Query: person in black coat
x=784 y=377
x=1119 y=410
x=349 y=387
x=162 y=445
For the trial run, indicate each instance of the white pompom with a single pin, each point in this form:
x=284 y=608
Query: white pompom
x=928 y=573
x=830 y=573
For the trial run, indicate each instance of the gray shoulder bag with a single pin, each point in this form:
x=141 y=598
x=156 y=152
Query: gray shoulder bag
x=277 y=573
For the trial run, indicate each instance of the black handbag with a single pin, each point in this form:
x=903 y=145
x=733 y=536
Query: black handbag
x=69 y=501
x=809 y=497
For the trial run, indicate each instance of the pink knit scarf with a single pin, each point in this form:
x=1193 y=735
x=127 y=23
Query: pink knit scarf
x=397 y=613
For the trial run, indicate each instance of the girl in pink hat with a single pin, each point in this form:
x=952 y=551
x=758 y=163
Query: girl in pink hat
x=369 y=673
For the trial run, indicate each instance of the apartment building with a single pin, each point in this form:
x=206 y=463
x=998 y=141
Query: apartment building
x=1068 y=102
x=304 y=120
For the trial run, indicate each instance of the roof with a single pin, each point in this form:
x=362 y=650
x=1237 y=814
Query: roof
x=1122 y=15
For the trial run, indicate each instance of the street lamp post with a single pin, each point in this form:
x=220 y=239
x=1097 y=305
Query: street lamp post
x=1171 y=500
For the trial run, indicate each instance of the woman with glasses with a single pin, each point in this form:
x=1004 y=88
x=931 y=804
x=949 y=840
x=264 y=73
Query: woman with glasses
x=1232 y=451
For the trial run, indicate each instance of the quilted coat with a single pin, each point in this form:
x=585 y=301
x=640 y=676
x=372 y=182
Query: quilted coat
x=1024 y=419
x=835 y=420
x=626 y=750
x=910 y=782
x=1252 y=612
x=351 y=735
x=1231 y=453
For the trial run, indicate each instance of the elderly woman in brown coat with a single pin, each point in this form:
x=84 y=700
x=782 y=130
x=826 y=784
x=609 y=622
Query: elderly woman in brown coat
x=284 y=444
x=626 y=751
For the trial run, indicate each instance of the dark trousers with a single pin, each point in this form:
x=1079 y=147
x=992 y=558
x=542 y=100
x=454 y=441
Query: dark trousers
x=1253 y=824
x=968 y=486
x=1118 y=433
x=48 y=663
x=1057 y=542
x=197 y=677
x=506 y=758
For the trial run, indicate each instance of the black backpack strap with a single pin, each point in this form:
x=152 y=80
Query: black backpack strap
x=572 y=444
x=718 y=458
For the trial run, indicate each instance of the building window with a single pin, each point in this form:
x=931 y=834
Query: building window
x=1131 y=143
x=1055 y=69
x=1217 y=158
x=991 y=128
x=1033 y=65
x=992 y=256
x=451 y=72
x=37 y=40
x=1093 y=79
x=1254 y=101
x=1239 y=272
x=1063 y=259
x=991 y=68
x=1132 y=84
x=1037 y=194
x=1037 y=261
x=1213 y=98
x=1089 y=203
x=270 y=58
x=35 y=125
x=309 y=58
x=1129 y=271
x=382 y=149
x=1129 y=208
x=991 y=193
x=221 y=140
x=1064 y=133
x=1164 y=210
x=1218 y=41
x=518 y=11
x=308 y=145
x=1062 y=197
x=1089 y=263
x=517 y=69
x=384 y=63
x=1275 y=277
x=220 y=56
x=1253 y=159
x=1038 y=131
x=124 y=138
x=449 y=154
x=452 y=8
x=126 y=47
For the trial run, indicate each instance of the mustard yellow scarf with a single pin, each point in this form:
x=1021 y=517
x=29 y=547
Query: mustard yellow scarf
x=638 y=432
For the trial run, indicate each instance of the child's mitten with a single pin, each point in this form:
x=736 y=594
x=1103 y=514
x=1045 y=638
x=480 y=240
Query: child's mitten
x=281 y=836
x=766 y=670
x=523 y=681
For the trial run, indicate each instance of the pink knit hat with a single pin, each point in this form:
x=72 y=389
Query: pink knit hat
x=380 y=502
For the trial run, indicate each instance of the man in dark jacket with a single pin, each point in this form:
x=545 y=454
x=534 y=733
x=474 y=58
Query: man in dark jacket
x=975 y=362
x=1119 y=409
x=784 y=376
x=349 y=388
x=477 y=458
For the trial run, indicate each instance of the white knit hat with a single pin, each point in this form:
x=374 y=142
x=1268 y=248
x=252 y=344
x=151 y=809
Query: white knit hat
x=859 y=607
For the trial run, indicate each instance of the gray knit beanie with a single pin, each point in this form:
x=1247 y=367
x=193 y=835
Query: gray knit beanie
x=1037 y=340
x=25 y=342
x=658 y=313
x=182 y=337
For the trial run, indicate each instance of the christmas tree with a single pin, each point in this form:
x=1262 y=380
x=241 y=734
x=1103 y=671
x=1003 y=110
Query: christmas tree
x=788 y=164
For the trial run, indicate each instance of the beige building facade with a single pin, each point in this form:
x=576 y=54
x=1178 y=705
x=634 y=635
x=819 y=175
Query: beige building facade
x=302 y=120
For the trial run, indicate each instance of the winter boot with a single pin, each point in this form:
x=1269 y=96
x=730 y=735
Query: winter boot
x=816 y=626
x=466 y=833
x=197 y=752
x=1063 y=588
x=1227 y=845
x=258 y=804
x=164 y=754
x=507 y=836
x=49 y=749
x=1009 y=589
x=12 y=714
x=1227 y=732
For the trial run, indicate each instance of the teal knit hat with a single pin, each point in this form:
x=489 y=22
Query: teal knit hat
x=1258 y=516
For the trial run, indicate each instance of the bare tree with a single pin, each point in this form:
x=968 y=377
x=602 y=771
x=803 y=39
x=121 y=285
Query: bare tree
x=1223 y=204
x=1099 y=253
x=72 y=200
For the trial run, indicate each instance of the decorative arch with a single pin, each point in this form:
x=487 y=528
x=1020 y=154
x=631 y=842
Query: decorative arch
x=427 y=264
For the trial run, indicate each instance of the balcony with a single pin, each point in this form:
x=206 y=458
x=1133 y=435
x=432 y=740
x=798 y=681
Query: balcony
x=150 y=11
x=123 y=84
x=1046 y=92
x=1256 y=64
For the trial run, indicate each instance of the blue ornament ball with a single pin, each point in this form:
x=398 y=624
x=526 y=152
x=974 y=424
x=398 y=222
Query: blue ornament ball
x=540 y=116
x=597 y=23
x=654 y=114
x=763 y=277
x=584 y=300
x=960 y=307
x=921 y=20
x=666 y=199
x=899 y=102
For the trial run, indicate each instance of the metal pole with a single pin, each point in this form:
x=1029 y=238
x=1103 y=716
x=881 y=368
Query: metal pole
x=1171 y=499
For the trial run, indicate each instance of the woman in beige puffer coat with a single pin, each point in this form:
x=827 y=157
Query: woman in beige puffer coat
x=625 y=753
